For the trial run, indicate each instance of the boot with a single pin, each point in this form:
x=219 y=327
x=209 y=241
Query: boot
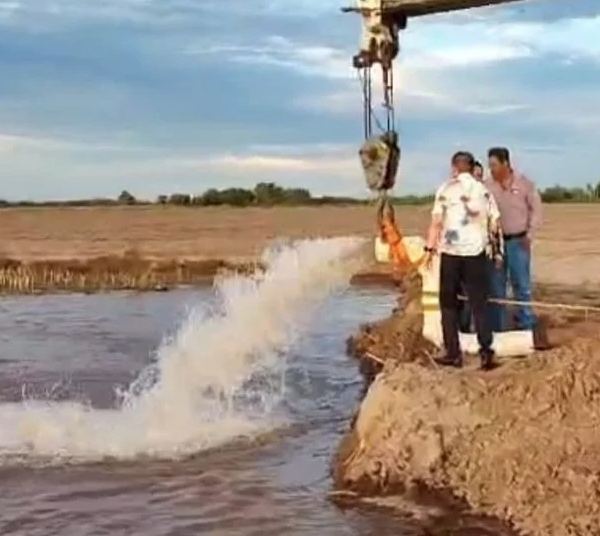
x=447 y=361
x=488 y=361
x=540 y=334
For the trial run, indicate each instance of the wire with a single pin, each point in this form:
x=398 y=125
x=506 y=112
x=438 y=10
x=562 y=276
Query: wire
x=369 y=113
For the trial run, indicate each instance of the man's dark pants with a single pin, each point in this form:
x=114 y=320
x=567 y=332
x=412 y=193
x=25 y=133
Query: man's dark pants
x=465 y=314
x=470 y=273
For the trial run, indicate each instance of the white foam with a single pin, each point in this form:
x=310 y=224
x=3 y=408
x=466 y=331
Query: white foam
x=196 y=394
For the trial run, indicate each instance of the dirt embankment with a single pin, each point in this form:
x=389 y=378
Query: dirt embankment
x=521 y=443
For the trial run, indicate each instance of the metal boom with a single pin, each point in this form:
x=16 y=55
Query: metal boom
x=417 y=8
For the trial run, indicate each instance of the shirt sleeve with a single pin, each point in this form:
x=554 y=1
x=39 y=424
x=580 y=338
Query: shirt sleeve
x=492 y=206
x=534 y=202
x=438 y=203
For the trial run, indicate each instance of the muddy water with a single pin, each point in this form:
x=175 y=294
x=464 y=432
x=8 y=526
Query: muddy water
x=82 y=347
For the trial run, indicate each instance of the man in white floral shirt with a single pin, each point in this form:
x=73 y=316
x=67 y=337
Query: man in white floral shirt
x=459 y=232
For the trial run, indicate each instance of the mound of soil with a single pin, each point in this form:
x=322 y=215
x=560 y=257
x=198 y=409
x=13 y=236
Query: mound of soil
x=521 y=443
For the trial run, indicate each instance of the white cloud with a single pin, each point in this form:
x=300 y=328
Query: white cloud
x=277 y=51
x=322 y=168
x=248 y=164
x=72 y=170
x=418 y=77
x=434 y=50
x=579 y=37
x=14 y=143
x=431 y=54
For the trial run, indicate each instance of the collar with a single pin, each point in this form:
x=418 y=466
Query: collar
x=464 y=177
x=512 y=182
x=461 y=178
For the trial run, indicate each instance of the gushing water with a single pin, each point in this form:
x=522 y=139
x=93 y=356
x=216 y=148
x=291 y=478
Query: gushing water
x=218 y=378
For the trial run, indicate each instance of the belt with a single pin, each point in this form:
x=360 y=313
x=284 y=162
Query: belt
x=514 y=236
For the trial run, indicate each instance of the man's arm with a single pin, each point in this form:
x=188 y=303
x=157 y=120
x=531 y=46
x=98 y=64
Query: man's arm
x=534 y=202
x=433 y=235
x=437 y=219
x=493 y=212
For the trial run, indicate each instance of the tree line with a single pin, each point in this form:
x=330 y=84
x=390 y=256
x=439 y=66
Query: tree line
x=271 y=194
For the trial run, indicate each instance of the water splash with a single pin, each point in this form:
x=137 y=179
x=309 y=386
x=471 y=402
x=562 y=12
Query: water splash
x=218 y=378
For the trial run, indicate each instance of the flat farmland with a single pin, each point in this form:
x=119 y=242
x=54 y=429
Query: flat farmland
x=566 y=249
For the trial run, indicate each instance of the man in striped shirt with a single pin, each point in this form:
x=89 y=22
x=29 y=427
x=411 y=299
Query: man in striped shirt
x=520 y=209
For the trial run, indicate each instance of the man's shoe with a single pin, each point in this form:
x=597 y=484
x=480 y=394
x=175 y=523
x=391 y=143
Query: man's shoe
x=540 y=334
x=488 y=362
x=447 y=361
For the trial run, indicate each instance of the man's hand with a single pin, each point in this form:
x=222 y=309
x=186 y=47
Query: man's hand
x=428 y=259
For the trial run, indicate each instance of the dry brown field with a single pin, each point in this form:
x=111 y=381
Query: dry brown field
x=566 y=250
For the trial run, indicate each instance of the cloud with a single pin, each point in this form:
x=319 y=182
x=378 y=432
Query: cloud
x=13 y=143
x=278 y=51
x=436 y=69
x=164 y=95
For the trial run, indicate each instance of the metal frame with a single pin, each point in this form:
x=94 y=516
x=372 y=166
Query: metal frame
x=418 y=8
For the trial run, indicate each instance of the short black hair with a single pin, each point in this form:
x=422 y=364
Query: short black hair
x=502 y=154
x=464 y=155
x=478 y=164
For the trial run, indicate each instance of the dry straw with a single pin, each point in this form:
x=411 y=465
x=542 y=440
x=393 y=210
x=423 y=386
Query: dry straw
x=127 y=272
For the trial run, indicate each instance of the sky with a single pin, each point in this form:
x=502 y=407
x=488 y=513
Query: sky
x=163 y=96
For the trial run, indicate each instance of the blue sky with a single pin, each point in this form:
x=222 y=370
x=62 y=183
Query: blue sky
x=160 y=96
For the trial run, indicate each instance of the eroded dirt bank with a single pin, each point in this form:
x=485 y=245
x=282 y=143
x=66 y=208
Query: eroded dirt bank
x=521 y=443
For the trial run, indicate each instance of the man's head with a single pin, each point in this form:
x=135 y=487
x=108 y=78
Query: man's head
x=499 y=162
x=478 y=171
x=462 y=162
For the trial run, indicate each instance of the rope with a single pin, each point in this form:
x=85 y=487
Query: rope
x=542 y=305
x=539 y=304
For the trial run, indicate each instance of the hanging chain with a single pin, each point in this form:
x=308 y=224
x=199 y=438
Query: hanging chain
x=369 y=116
x=388 y=95
x=380 y=152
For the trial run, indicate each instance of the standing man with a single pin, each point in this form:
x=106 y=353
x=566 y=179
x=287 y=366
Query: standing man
x=459 y=227
x=478 y=171
x=520 y=209
x=466 y=314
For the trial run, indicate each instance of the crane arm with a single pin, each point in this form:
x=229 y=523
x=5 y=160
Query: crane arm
x=417 y=8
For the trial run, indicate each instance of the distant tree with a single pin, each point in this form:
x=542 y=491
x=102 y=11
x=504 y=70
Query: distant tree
x=296 y=196
x=125 y=198
x=180 y=199
x=237 y=197
x=209 y=198
x=554 y=194
x=268 y=193
x=162 y=200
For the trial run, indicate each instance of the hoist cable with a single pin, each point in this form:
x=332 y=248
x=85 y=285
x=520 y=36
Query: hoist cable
x=368 y=112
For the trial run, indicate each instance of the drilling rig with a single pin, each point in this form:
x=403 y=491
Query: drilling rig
x=382 y=22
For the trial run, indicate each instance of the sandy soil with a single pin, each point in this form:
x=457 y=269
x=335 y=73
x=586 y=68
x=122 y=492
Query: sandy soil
x=520 y=443
x=567 y=249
